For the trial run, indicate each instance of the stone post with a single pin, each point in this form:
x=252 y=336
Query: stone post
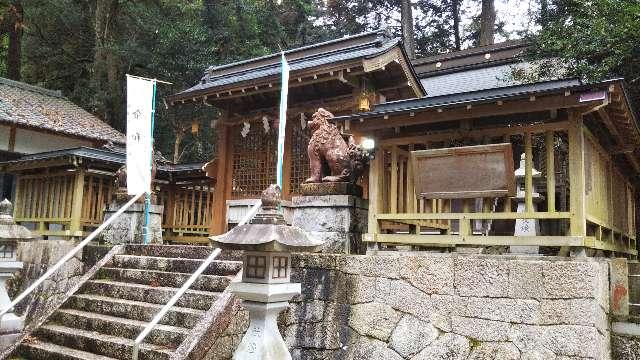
x=128 y=228
x=333 y=213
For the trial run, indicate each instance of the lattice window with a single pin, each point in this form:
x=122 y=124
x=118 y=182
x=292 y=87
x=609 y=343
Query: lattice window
x=254 y=160
x=256 y=267
x=299 y=157
x=280 y=265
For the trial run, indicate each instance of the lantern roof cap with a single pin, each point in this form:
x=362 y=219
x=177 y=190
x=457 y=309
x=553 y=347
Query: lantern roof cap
x=9 y=230
x=268 y=231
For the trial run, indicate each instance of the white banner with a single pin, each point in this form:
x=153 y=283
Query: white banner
x=140 y=97
x=284 y=93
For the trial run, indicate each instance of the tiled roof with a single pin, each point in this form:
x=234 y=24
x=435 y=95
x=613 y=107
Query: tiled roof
x=36 y=107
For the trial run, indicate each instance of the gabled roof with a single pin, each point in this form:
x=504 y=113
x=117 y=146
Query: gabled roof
x=35 y=107
x=253 y=72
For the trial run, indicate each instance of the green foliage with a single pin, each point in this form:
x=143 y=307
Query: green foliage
x=593 y=40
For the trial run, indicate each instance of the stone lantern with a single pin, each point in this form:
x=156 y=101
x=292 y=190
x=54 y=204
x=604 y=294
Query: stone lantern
x=10 y=233
x=266 y=271
x=526 y=227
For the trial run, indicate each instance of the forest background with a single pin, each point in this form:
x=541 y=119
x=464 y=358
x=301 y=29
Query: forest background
x=85 y=47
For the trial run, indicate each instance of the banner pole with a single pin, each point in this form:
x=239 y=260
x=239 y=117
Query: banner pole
x=147 y=198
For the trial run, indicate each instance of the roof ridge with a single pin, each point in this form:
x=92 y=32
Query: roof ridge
x=299 y=60
x=449 y=55
x=381 y=31
x=33 y=88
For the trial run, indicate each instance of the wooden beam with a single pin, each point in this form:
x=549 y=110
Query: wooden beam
x=573 y=241
x=551 y=172
x=578 y=222
x=476 y=133
x=474 y=216
x=459 y=112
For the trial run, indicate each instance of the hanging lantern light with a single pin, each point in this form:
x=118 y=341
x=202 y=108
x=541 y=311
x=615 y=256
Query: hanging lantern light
x=195 y=127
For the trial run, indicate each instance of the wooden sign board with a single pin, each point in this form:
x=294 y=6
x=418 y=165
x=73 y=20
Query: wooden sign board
x=464 y=172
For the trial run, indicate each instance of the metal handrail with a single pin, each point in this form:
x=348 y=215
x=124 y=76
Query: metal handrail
x=68 y=256
x=154 y=322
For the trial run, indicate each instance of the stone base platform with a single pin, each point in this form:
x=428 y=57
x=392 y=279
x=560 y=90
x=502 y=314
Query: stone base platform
x=331 y=188
x=128 y=228
x=337 y=220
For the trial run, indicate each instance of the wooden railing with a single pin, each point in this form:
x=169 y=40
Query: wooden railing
x=188 y=211
x=65 y=203
x=599 y=213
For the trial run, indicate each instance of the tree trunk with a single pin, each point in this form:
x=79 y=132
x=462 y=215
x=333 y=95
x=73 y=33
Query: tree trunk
x=487 y=23
x=15 y=19
x=103 y=61
x=407 y=29
x=455 y=13
x=180 y=132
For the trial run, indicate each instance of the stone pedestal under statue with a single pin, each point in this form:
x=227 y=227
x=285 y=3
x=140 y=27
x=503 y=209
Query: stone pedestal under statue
x=128 y=228
x=337 y=220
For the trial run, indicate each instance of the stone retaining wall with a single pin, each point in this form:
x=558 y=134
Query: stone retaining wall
x=37 y=256
x=443 y=306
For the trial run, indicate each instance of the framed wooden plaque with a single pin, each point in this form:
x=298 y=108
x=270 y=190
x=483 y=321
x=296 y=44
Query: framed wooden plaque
x=464 y=172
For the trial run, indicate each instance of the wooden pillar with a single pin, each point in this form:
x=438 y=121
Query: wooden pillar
x=528 y=173
x=77 y=201
x=12 y=139
x=219 y=223
x=551 y=172
x=393 y=199
x=376 y=174
x=286 y=171
x=411 y=190
x=577 y=208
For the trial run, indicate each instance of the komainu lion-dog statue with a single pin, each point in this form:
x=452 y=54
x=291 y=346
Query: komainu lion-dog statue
x=331 y=158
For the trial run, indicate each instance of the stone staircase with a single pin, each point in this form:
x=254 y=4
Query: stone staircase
x=100 y=320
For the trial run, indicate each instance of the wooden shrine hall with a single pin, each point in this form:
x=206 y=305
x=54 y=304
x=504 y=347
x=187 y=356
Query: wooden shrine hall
x=578 y=142
x=343 y=76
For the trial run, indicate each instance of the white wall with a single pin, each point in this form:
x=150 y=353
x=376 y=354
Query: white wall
x=29 y=142
x=4 y=137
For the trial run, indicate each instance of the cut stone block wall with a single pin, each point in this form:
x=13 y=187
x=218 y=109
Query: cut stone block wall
x=37 y=256
x=443 y=306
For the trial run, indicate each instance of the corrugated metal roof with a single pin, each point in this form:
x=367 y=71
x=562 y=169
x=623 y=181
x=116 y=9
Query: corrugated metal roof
x=36 y=107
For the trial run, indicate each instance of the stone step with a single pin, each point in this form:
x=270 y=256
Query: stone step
x=634 y=309
x=213 y=283
x=169 y=251
x=175 y=264
x=39 y=350
x=180 y=251
x=195 y=299
x=169 y=336
x=100 y=344
x=135 y=310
